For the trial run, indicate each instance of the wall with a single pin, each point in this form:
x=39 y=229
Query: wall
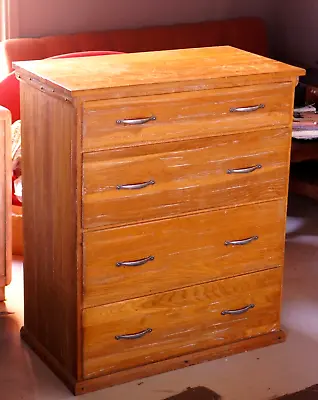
x=45 y=17
x=294 y=32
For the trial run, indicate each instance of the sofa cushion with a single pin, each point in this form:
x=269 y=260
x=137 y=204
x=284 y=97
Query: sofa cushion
x=10 y=95
x=87 y=54
x=10 y=98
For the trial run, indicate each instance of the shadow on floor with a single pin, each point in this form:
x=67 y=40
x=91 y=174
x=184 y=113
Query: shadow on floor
x=307 y=394
x=202 y=393
x=300 y=220
x=197 y=393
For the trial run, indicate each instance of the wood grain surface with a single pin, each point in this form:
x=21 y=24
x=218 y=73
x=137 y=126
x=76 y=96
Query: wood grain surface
x=188 y=176
x=186 y=251
x=86 y=75
x=49 y=213
x=185 y=115
x=89 y=385
x=124 y=282
x=182 y=321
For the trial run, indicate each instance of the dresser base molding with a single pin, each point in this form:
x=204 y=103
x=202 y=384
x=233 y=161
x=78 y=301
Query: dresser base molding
x=144 y=371
x=48 y=359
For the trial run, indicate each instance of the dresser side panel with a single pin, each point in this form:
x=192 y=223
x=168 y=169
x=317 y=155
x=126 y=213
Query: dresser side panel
x=284 y=222
x=49 y=150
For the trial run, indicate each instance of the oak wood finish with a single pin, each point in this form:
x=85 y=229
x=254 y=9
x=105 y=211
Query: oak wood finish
x=189 y=69
x=49 y=212
x=103 y=381
x=186 y=251
x=198 y=169
x=185 y=115
x=182 y=321
x=78 y=225
x=5 y=201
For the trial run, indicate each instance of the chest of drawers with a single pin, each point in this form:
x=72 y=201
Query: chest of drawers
x=155 y=191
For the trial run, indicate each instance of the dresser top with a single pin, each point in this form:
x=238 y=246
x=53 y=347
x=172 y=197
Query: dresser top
x=86 y=74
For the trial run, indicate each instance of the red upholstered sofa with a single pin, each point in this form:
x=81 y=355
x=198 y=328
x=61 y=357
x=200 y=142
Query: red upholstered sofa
x=245 y=33
x=10 y=99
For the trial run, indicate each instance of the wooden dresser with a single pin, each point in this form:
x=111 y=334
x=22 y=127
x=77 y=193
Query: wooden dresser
x=155 y=191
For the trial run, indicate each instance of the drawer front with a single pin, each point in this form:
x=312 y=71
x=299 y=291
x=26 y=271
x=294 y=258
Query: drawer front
x=107 y=123
x=174 y=323
x=175 y=178
x=179 y=252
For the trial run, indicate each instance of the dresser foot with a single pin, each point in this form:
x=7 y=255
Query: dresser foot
x=48 y=359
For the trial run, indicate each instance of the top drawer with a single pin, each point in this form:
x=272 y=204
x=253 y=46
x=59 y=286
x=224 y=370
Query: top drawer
x=161 y=118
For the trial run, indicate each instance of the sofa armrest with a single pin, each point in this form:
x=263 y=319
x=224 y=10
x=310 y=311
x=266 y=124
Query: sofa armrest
x=5 y=197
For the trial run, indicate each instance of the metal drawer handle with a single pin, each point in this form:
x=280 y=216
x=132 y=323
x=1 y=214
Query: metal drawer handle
x=134 y=335
x=241 y=242
x=239 y=311
x=247 y=109
x=136 y=185
x=244 y=170
x=135 y=263
x=137 y=121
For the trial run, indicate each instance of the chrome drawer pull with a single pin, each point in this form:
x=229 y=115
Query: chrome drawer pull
x=135 y=185
x=239 y=311
x=136 y=263
x=244 y=170
x=134 y=335
x=247 y=109
x=241 y=242
x=137 y=121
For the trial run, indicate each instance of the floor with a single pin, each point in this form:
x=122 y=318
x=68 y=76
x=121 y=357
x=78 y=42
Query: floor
x=257 y=375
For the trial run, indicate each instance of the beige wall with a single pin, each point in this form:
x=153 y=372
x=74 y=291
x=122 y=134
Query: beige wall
x=45 y=17
x=293 y=28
